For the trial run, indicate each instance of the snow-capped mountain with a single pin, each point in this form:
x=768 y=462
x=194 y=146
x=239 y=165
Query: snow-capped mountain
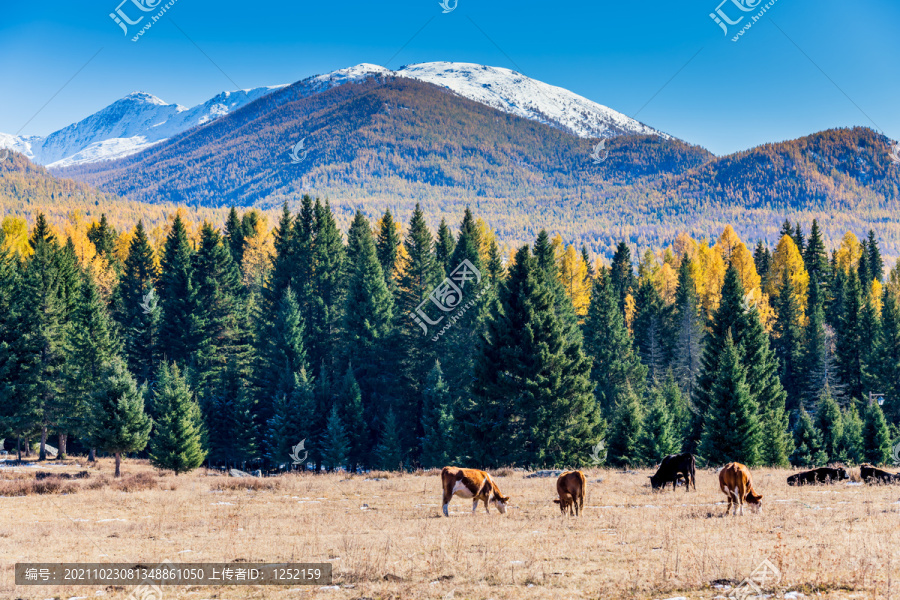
x=140 y=120
x=126 y=126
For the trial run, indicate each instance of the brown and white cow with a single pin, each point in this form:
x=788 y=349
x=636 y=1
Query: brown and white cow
x=474 y=484
x=570 y=487
x=736 y=483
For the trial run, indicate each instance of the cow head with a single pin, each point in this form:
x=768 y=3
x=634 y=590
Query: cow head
x=500 y=502
x=656 y=482
x=843 y=474
x=755 y=501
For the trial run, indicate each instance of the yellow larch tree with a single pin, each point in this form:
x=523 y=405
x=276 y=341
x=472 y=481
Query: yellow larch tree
x=258 y=251
x=15 y=231
x=573 y=276
x=728 y=243
x=712 y=272
x=787 y=258
x=849 y=252
x=876 y=291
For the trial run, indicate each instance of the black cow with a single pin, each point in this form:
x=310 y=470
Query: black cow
x=821 y=475
x=673 y=468
x=870 y=474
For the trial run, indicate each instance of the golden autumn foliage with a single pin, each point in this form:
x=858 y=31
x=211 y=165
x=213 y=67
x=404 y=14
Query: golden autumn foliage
x=875 y=296
x=849 y=252
x=258 y=250
x=573 y=276
x=15 y=231
x=787 y=259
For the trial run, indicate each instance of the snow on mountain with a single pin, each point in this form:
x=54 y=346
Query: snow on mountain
x=140 y=120
x=126 y=126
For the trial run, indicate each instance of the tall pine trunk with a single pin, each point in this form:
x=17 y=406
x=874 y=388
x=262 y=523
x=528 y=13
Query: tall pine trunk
x=19 y=448
x=43 y=453
x=61 y=449
x=92 y=455
x=118 y=464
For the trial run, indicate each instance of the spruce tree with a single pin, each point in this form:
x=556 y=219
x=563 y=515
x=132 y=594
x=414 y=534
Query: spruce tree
x=335 y=446
x=136 y=306
x=329 y=281
x=728 y=320
x=761 y=259
x=177 y=438
x=815 y=257
x=104 y=237
x=624 y=446
x=91 y=346
x=388 y=250
x=851 y=448
x=658 y=436
x=616 y=367
x=180 y=331
x=676 y=401
x=788 y=343
x=731 y=431
x=234 y=236
x=621 y=274
x=830 y=423
x=350 y=408
x=809 y=447
x=876 y=437
x=437 y=421
x=370 y=306
x=532 y=395
x=291 y=418
x=118 y=422
x=887 y=356
x=387 y=452
x=687 y=332
x=649 y=330
x=851 y=338
x=230 y=429
x=874 y=262
x=17 y=412
x=444 y=245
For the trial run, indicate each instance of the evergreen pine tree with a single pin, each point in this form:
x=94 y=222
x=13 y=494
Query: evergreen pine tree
x=851 y=340
x=444 y=246
x=329 y=280
x=290 y=422
x=388 y=250
x=136 y=306
x=234 y=237
x=658 y=436
x=798 y=238
x=118 y=422
x=874 y=262
x=815 y=257
x=350 y=406
x=387 y=452
x=688 y=331
x=91 y=346
x=104 y=237
x=335 y=446
x=180 y=330
x=851 y=448
x=532 y=395
x=876 y=437
x=177 y=438
x=788 y=343
x=761 y=259
x=887 y=356
x=731 y=431
x=621 y=274
x=830 y=423
x=648 y=326
x=616 y=367
x=437 y=421
x=808 y=443
x=624 y=447
x=230 y=430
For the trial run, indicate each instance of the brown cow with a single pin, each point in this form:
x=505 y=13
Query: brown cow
x=736 y=483
x=570 y=487
x=474 y=484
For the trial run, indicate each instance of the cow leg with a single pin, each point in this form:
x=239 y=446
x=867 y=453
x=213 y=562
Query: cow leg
x=486 y=505
x=474 y=505
x=446 y=502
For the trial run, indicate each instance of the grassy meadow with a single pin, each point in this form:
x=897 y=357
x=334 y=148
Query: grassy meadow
x=386 y=539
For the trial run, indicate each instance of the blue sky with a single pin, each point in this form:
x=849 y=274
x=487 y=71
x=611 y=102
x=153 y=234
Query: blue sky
x=804 y=67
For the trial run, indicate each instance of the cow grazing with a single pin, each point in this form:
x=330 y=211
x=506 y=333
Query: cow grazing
x=821 y=475
x=674 y=467
x=474 y=484
x=570 y=487
x=736 y=483
x=870 y=474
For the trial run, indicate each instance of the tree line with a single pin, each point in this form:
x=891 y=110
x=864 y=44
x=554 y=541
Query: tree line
x=398 y=347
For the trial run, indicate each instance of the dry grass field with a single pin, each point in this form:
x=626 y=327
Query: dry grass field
x=386 y=538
